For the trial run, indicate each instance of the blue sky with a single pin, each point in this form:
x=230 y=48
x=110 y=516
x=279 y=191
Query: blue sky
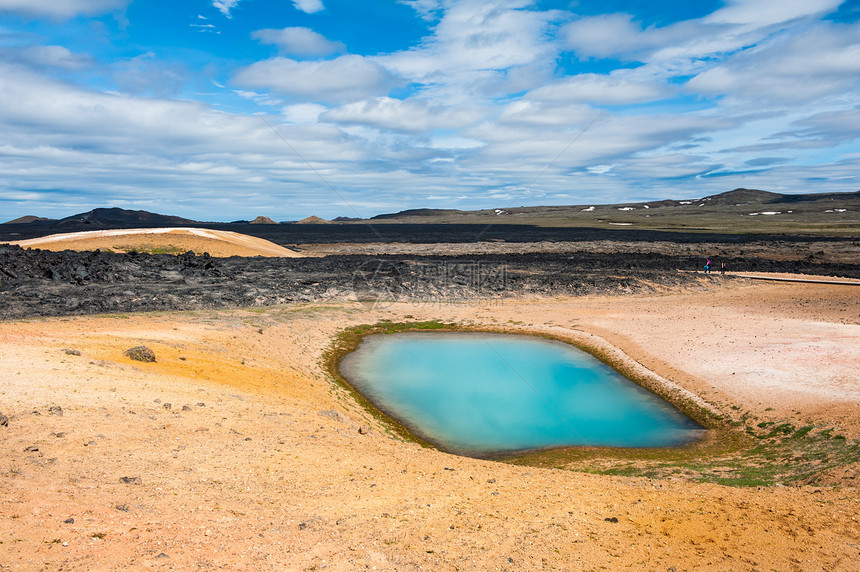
x=229 y=109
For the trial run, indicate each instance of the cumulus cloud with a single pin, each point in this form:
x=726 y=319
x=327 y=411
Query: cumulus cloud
x=298 y=41
x=346 y=78
x=480 y=48
x=160 y=151
x=309 y=6
x=61 y=9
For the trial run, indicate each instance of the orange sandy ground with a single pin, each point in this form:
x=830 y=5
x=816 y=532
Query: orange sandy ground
x=250 y=476
x=175 y=240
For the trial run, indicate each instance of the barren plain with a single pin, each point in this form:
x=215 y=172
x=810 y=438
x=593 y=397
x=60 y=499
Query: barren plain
x=237 y=449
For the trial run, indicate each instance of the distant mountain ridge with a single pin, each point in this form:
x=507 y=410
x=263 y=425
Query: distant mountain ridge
x=117 y=217
x=735 y=197
x=105 y=217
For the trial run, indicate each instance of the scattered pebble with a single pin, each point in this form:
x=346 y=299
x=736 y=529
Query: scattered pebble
x=611 y=519
x=4 y=421
x=69 y=521
x=131 y=480
x=186 y=408
x=55 y=410
x=72 y=352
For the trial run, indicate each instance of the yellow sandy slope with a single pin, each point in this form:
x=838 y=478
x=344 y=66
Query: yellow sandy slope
x=171 y=240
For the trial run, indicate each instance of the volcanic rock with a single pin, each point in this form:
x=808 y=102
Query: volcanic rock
x=140 y=353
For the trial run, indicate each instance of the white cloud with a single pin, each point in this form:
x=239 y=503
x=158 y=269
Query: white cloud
x=428 y=9
x=298 y=41
x=345 y=78
x=740 y=24
x=145 y=74
x=303 y=113
x=599 y=90
x=488 y=107
x=768 y=12
x=608 y=35
x=106 y=148
x=309 y=6
x=224 y=6
x=46 y=57
x=480 y=49
x=61 y=9
x=414 y=115
x=820 y=63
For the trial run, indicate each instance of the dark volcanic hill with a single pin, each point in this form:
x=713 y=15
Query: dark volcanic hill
x=28 y=219
x=743 y=197
x=117 y=216
x=418 y=212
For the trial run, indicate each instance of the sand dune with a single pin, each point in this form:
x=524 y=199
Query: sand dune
x=220 y=243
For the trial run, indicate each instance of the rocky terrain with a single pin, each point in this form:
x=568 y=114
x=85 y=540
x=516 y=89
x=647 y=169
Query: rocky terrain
x=43 y=283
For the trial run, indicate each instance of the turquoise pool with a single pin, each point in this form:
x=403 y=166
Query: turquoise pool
x=484 y=394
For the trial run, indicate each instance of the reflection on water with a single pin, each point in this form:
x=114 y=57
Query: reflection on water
x=481 y=394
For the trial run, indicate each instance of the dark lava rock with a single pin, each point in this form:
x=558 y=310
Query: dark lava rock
x=131 y=480
x=4 y=421
x=140 y=353
x=55 y=410
x=186 y=408
x=72 y=352
x=44 y=283
x=611 y=519
x=69 y=521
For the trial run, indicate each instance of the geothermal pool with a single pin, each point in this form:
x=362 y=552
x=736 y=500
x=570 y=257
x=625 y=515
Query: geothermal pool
x=483 y=394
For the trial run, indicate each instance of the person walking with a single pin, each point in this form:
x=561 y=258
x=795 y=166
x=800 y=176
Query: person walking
x=708 y=266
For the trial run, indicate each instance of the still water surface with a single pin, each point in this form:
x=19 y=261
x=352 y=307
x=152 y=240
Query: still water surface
x=480 y=394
